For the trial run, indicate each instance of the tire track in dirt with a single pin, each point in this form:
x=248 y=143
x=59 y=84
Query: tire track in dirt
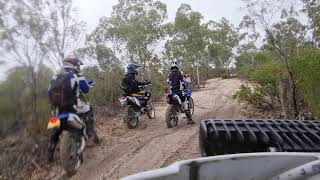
x=152 y=144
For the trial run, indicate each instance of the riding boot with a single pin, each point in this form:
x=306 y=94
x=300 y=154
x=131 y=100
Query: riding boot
x=188 y=114
x=54 y=139
x=50 y=152
x=89 y=120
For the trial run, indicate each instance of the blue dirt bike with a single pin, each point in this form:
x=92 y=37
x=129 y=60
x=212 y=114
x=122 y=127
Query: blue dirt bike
x=175 y=107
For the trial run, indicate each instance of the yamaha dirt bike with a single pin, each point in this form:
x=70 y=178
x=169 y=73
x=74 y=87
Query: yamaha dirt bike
x=175 y=107
x=72 y=139
x=134 y=106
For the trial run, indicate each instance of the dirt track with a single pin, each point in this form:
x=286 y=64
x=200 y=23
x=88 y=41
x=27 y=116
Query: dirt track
x=152 y=144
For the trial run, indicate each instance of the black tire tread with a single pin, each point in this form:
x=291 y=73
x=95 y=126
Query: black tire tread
x=127 y=113
x=170 y=110
x=148 y=112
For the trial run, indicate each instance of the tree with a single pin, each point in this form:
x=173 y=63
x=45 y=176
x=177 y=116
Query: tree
x=312 y=9
x=247 y=49
x=224 y=38
x=65 y=32
x=283 y=39
x=135 y=28
x=17 y=96
x=32 y=32
x=187 y=44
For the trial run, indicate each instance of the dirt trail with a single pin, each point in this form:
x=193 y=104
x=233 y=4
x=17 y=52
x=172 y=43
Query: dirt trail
x=152 y=144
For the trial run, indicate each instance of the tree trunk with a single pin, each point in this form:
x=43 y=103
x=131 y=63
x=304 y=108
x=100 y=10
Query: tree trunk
x=285 y=60
x=198 y=77
x=228 y=72
x=286 y=96
x=193 y=71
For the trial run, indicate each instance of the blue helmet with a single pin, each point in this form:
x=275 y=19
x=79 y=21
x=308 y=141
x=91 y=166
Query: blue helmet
x=133 y=69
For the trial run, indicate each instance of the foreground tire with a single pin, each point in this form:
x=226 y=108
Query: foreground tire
x=129 y=117
x=171 y=116
x=151 y=112
x=70 y=161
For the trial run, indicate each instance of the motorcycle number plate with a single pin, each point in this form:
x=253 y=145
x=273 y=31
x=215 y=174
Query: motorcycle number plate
x=53 y=123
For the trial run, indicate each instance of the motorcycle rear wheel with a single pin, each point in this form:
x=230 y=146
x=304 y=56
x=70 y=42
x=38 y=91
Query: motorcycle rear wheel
x=130 y=118
x=69 y=158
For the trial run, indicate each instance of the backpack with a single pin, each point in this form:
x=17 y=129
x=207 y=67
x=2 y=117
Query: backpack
x=125 y=84
x=61 y=93
x=175 y=79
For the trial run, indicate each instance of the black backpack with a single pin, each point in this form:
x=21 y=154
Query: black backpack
x=175 y=78
x=125 y=84
x=61 y=92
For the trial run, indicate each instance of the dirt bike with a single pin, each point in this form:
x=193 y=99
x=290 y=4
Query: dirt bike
x=134 y=106
x=175 y=107
x=72 y=139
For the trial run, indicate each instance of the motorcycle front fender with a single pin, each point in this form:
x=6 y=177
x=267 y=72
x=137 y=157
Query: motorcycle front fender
x=176 y=99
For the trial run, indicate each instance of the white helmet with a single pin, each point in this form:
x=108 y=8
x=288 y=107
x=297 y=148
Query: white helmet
x=174 y=65
x=72 y=62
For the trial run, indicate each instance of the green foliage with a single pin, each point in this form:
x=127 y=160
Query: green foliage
x=107 y=89
x=308 y=78
x=187 y=43
x=134 y=28
x=16 y=101
x=267 y=76
x=264 y=93
x=312 y=9
x=246 y=94
x=225 y=38
x=246 y=62
x=158 y=78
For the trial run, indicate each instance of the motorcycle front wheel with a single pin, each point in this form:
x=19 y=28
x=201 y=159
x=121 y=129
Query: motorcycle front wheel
x=172 y=116
x=151 y=112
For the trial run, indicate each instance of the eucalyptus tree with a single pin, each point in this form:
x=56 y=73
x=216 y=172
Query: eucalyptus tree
x=134 y=30
x=284 y=39
x=224 y=39
x=34 y=33
x=187 y=39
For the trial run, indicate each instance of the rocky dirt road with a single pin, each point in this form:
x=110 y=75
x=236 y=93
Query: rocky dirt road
x=152 y=145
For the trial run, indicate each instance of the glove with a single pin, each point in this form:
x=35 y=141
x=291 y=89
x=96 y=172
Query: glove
x=90 y=82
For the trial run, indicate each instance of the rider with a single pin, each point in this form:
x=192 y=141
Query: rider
x=65 y=96
x=186 y=81
x=130 y=85
x=175 y=79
